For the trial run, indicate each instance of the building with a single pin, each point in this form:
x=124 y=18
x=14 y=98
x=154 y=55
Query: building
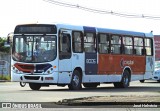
x=157 y=47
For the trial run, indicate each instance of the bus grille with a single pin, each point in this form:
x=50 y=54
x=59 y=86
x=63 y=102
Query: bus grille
x=32 y=77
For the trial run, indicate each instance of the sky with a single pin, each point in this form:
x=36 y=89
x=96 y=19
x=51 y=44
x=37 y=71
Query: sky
x=14 y=12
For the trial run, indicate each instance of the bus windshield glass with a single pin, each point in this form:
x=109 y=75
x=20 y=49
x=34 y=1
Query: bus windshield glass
x=34 y=49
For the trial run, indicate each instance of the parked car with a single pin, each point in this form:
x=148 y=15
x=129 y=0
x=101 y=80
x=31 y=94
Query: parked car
x=156 y=75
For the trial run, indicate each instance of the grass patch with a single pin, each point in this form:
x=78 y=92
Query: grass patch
x=5 y=77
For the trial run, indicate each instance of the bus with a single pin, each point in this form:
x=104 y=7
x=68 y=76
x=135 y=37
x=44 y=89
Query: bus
x=62 y=54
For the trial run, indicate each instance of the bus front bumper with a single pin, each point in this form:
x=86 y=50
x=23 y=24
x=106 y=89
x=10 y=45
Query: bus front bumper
x=34 y=78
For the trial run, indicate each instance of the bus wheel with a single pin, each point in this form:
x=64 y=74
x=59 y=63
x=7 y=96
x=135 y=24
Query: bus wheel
x=158 y=81
x=142 y=81
x=124 y=82
x=75 y=81
x=90 y=85
x=34 y=86
x=22 y=84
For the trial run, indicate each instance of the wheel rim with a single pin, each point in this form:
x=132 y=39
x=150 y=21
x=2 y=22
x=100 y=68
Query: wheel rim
x=76 y=80
x=22 y=84
x=126 y=80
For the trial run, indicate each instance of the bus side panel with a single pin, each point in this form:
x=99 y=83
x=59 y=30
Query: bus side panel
x=117 y=64
x=136 y=63
x=105 y=64
x=139 y=65
x=91 y=63
x=126 y=61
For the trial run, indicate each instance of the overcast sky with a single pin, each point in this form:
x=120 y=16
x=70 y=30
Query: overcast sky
x=14 y=12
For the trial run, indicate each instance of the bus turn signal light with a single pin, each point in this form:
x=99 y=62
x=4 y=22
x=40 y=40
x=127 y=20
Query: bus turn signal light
x=48 y=78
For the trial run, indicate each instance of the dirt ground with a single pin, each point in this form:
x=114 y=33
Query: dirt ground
x=144 y=101
x=120 y=98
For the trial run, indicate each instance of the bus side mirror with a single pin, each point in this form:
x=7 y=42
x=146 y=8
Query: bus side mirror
x=10 y=38
x=6 y=44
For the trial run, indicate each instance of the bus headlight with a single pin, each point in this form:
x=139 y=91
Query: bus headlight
x=49 y=71
x=15 y=70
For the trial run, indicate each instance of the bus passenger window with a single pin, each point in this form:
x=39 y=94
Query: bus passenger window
x=77 y=42
x=89 y=42
x=128 y=45
x=103 y=43
x=115 y=44
x=138 y=46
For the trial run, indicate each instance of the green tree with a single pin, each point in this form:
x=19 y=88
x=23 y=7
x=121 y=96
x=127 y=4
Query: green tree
x=2 y=47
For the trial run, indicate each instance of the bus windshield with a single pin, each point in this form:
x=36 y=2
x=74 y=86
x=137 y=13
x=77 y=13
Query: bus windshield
x=34 y=48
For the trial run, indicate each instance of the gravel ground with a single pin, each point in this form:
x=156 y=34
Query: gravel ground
x=114 y=98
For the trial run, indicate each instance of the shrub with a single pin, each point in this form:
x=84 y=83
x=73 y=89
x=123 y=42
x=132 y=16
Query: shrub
x=5 y=77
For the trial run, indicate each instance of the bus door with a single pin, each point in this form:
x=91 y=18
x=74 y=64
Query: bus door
x=65 y=54
x=91 y=66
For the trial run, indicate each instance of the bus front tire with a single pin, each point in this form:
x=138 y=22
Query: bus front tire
x=124 y=82
x=22 y=84
x=75 y=81
x=34 y=86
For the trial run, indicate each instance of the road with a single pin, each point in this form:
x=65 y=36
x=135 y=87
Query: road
x=12 y=92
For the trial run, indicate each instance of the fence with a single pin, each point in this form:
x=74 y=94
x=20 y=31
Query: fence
x=4 y=64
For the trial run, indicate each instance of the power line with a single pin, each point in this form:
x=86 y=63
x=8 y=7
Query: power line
x=126 y=15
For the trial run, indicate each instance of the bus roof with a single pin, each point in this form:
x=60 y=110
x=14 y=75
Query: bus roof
x=98 y=30
x=106 y=30
x=121 y=32
x=70 y=27
x=149 y=35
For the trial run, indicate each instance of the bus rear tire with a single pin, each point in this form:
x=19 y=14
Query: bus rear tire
x=90 y=85
x=124 y=82
x=142 y=81
x=34 y=86
x=75 y=81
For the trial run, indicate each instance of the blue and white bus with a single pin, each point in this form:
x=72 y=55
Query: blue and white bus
x=60 y=54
